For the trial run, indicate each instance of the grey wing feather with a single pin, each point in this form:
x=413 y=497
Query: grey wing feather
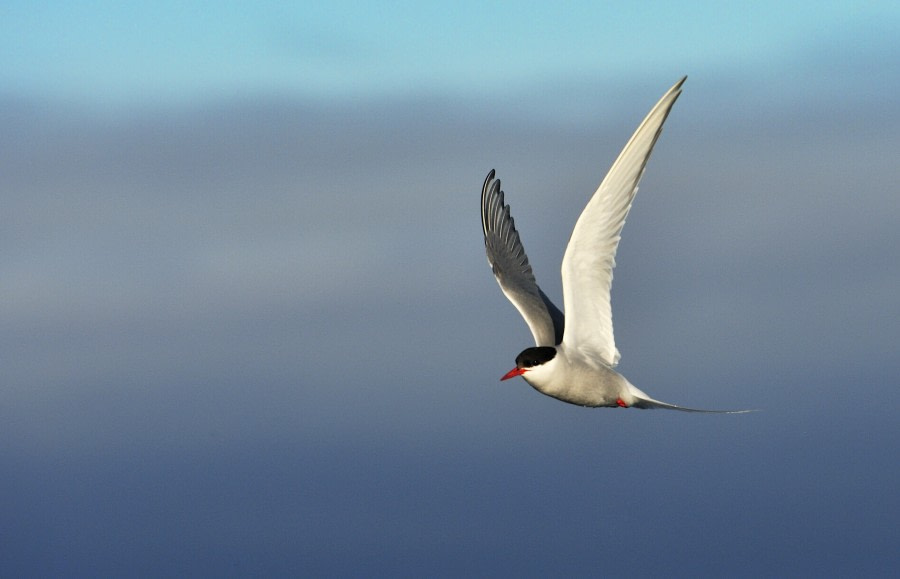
x=511 y=268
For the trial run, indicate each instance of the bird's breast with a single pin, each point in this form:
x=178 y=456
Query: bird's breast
x=578 y=382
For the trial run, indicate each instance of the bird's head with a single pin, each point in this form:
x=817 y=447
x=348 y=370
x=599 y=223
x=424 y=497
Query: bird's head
x=530 y=359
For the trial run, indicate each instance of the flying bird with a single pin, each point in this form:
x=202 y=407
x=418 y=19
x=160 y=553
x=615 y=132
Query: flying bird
x=575 y=355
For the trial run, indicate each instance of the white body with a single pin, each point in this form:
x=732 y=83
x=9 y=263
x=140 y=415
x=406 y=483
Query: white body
x=584 y=380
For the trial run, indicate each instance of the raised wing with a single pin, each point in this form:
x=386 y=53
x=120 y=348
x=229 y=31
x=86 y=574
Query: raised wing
x=511 y=268
x=590 y=256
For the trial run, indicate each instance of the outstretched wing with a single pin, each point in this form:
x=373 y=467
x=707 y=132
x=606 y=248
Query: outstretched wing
x=590 y=256
x=511 y=268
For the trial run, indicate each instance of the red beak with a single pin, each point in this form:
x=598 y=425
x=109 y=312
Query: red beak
x=513 y=373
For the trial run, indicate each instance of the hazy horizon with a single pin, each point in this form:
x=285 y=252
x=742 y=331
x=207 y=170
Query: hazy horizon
x=249 y=328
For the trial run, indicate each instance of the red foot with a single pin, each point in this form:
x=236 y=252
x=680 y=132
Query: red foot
x=621 y=403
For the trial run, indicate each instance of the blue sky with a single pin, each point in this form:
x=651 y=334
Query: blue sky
x=134 y=52
x=248 y=327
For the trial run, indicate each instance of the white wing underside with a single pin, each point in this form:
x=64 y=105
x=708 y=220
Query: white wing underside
x=590 y=256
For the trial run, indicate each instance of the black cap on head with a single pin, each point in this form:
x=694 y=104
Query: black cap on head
x=531 y=357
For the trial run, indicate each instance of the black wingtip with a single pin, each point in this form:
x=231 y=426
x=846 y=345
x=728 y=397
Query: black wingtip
x=491 y=197
x=487 y=180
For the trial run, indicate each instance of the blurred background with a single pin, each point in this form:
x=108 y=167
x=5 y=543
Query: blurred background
x=247 y=326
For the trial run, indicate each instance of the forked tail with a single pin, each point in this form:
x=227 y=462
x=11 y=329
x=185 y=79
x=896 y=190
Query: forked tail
x=650 y=403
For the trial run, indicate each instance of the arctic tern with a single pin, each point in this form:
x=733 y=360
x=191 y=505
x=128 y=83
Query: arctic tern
x=574 y=356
